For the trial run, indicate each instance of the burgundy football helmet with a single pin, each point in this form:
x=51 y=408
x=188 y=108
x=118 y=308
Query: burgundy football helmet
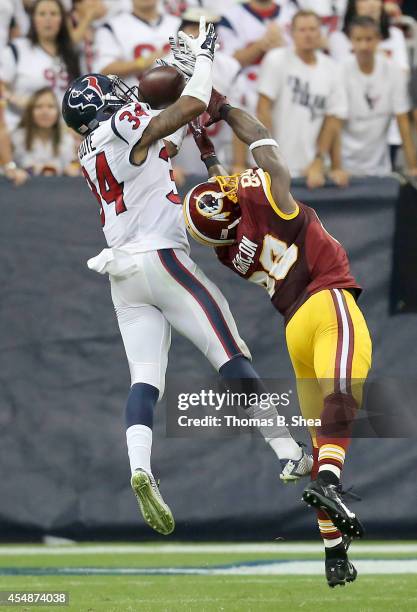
x=212 y=212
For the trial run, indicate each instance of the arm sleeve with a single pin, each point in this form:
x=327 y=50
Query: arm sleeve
x=269 y=83
x=338 y=103
x=106 y=48
x=401 y=100
x=177 y=137
x=129 y=123
x=8 y=65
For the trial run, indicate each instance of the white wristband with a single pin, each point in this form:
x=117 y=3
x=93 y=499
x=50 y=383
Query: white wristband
x=200 y=84
x=261 y=143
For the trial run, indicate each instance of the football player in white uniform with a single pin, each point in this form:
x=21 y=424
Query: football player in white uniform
x=154 y=283
x=129 y=43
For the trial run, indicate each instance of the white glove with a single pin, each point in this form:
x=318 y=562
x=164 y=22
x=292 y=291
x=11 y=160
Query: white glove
x=205 y=44
x=180 y=58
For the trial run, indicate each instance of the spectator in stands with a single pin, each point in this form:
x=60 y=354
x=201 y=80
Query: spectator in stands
x=376 y=89
x=84 y=18
x=129 y=43
x=45 y=58
x=12 y=14
x=8 y=167
x=247 y=31
x=392 y=41
x=40 y=144
x=301 y=97
x=331 y=13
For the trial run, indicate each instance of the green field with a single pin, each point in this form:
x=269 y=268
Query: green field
x=213 y=577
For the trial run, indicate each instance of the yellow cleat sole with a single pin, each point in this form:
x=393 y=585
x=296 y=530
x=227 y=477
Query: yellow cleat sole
x=154 y=510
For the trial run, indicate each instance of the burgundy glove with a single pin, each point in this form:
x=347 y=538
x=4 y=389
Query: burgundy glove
x=203 y=142
x=217 y=101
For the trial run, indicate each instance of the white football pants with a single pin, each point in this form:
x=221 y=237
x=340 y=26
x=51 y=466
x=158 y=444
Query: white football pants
x=152 y=291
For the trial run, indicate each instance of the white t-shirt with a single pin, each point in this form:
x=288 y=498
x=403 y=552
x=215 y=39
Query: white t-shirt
x=42 y=157
x=140 y=206
x=27 y=68
x=394 y=47
x=373 y=99
x=303 y=96
x=229 y=81
x=126 y=37
x=241 y=26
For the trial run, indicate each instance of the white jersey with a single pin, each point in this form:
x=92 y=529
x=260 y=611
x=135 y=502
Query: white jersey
x=303 y=96
x=373 y=99
x=27 y=68
x=241 y=26
x=126 y=37
x=139 y=205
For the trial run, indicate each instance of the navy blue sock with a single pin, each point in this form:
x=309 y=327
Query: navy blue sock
x=140 y=405
x=239 y=367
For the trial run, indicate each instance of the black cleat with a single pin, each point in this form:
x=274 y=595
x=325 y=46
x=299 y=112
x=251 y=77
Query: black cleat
x=329 y=498
x=340 y=571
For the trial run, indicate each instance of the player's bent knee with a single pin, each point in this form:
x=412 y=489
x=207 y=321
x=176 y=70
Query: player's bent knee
x=148 y=373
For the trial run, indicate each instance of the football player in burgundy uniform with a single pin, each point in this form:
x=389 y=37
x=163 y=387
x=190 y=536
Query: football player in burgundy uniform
x=265 y=236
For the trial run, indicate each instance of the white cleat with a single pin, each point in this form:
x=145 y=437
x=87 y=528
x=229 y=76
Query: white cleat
x=154 y=510
x=292 y=470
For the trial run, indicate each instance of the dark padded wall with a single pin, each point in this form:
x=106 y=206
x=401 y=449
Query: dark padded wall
x=64 y=380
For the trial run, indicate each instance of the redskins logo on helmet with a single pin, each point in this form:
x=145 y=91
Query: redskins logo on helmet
x=211 y=211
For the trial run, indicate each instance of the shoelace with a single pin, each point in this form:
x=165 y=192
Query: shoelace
x=348 y=494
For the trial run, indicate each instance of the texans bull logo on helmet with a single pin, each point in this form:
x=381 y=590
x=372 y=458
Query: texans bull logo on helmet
x=91 y=95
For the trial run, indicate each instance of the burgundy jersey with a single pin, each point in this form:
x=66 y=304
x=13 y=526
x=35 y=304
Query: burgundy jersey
x=291 y=256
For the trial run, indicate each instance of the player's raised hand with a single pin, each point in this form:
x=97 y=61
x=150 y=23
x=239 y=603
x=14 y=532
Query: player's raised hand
x=201 y=139
x=217 y=101
x=205 y=44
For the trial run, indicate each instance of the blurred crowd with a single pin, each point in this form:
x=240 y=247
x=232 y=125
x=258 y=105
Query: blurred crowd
x=334 y=80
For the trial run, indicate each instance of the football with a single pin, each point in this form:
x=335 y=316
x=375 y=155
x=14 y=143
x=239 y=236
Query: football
x=161 y=86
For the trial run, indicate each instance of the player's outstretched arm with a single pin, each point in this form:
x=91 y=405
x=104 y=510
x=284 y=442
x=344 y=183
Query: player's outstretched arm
x=194 y=98
x=207 y=151
x=267 y=155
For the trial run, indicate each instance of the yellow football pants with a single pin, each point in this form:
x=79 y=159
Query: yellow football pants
x=330 y=350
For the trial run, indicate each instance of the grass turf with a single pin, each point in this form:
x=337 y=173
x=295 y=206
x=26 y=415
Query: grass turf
x=231 y=594
x=207 y=593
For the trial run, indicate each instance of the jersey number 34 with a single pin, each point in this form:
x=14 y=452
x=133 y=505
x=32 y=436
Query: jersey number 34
x=110 y=190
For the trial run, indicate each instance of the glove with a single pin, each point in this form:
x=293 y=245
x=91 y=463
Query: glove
x=217 y=101
x=201 y=139
x=204 y=44
x=180 y=58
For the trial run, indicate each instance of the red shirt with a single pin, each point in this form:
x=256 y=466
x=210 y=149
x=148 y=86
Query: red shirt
x=291 y=256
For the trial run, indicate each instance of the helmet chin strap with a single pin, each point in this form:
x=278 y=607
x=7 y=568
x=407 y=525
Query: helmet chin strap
x=235 y=222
